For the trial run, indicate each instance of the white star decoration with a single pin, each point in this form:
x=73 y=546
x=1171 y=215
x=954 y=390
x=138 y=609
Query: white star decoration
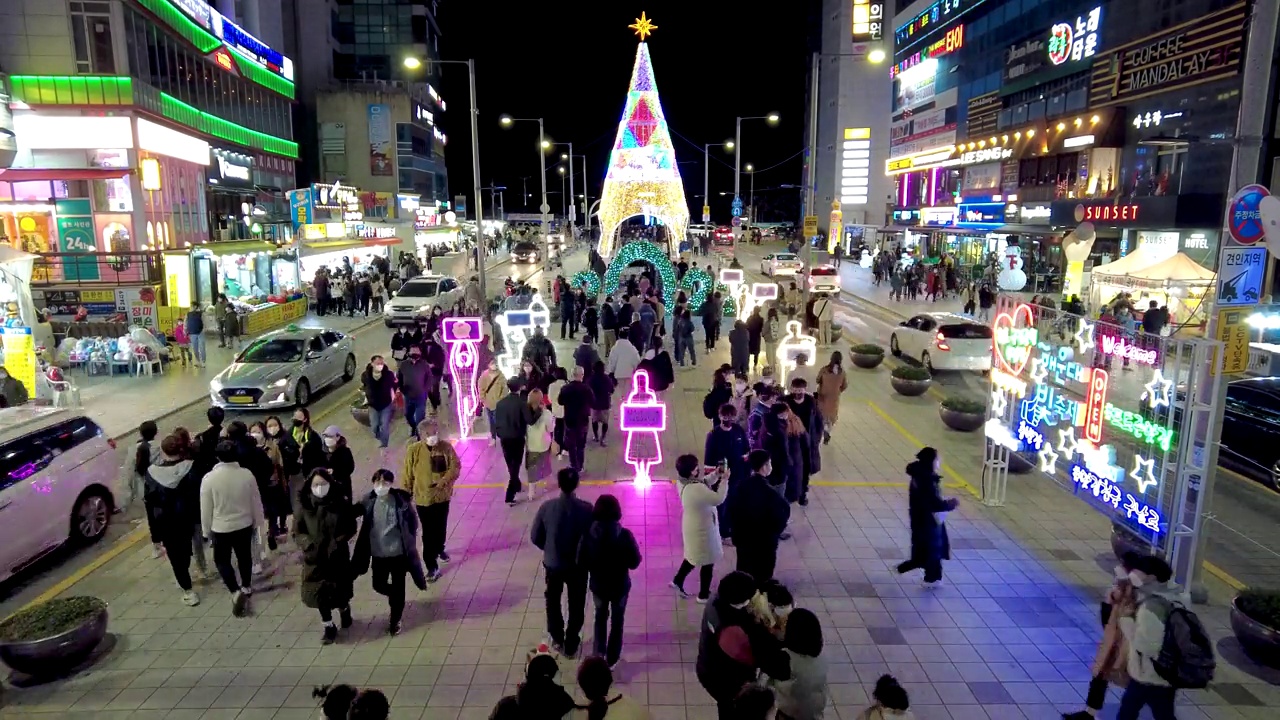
x=1143 y=472
x=1157 y=393
x=1038 y=371
x=1067 y=442
x=1048 y=459
x=1084 y=336
x=998 y=403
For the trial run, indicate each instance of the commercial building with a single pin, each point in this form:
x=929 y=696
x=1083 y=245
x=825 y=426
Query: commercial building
x=1016 y=120
x=144 y=129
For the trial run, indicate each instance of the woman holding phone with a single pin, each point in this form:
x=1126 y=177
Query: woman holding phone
x=701 y=492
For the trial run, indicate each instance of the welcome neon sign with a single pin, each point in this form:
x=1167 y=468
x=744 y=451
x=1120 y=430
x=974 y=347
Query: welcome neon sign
x=1124 y=349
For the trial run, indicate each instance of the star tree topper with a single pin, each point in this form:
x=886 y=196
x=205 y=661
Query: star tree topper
x=643 y=26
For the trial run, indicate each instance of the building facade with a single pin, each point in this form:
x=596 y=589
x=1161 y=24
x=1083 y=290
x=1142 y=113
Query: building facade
x=1016 y=120
x=144 y=128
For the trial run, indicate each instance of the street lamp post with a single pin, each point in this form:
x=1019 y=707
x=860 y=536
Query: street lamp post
x=544 y=208
x=751 y=194
x=772 y=119
x=413 y=63
x=572 y=215
x=706 y=174
x=564 y=199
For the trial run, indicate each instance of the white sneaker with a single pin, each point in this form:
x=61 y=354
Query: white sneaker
x=492 y=442
x=246 y=590
x=156 y=551
x=190 y=598
x=257 y=568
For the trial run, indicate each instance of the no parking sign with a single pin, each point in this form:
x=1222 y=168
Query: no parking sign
x=1244 y=219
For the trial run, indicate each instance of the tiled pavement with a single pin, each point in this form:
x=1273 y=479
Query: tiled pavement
x=1010 y=635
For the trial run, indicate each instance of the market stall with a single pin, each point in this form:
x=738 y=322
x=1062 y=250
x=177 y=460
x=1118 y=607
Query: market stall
x=1179 y=283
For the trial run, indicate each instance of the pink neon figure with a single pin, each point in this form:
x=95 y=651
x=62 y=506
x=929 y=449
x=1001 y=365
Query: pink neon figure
x=462 y=335
x=643 y=418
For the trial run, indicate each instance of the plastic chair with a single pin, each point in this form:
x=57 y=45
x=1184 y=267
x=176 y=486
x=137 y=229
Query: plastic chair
x=143 y=363
x=65 y=393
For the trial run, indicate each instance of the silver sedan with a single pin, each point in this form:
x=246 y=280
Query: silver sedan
x=284 y=368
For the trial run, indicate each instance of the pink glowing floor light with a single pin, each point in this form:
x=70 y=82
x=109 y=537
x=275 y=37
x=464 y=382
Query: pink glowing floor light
x=462 y=335
x=644 y=417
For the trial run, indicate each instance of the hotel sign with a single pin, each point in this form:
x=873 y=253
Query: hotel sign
x=1200 y=51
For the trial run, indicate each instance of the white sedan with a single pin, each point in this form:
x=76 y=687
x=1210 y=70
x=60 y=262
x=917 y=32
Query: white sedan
x=944 y=341
x=783 y=263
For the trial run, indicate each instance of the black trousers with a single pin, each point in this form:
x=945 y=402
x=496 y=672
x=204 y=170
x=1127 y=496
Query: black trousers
x=932 y=568
x=610 y=616
x=388 y=580
x=239 y=542
x=435 y=523
x=513 y=454
x=758 y=560
x=568 y=635
x=575 y=442
x=178 y=549
x=705 y=573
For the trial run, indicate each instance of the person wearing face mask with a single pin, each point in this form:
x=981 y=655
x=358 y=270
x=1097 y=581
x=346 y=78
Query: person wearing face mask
x=927 y=509
x=743 y=398
x=702 y=494
x=760 y=515
x=727 y=445
x=339 y=461
x=416 y=380
x=12 y=390
x=401 y=341
x=539 y=351
x=254 y=458
x=275 y=493
x=379 y=385
x=805 y=408
x=1112 y=657
x=290 y=459
x=733 y=647
x=832 y=381
x=310 y=446
x=386 y=543
x=230 y=509
x=431 y=467
x=766 y=396
x=323 y=525
x=493 y=387
x=433 y=353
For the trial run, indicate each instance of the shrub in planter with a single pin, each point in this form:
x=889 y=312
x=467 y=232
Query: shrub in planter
x=867 y=355
x=962 y=414
x=53 y=637
x=910 y=381
x=1255 y=620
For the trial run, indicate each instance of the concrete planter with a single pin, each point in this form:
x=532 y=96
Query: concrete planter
x=1260 y=641
x=910 y=388
x=867 y=361
x=961 y=421
x=57 y=654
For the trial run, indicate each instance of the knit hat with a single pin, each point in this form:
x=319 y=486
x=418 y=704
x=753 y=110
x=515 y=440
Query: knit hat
x=736 y=588
x=332 y=431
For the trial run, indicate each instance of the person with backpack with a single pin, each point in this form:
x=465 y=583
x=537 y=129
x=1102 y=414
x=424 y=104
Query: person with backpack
x=1169 y=649
x=608 y=553
x=1113 y=654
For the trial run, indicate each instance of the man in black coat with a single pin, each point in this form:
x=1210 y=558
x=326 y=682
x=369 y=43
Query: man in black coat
x=805 y=407
x=511 y=418
x=733 y=647
x=576 y=399
x=558 y=529
x=379 y=385
x=760 y=516
x=727 y=443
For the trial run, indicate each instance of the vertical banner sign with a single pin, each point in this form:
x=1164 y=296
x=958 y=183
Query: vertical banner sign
x=75 y=235
x=460 y=206
x=1234 y=333
x=20 y=356
x=380 y=141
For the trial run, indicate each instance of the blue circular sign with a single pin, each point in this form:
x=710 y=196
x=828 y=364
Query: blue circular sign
x=1244 y=221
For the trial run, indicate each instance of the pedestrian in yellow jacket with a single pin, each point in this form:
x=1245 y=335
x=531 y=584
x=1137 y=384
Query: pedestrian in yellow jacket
x=431 y=467
x=493 y=387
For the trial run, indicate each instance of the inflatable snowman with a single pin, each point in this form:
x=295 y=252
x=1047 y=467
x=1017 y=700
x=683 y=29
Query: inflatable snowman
x=1011 y=277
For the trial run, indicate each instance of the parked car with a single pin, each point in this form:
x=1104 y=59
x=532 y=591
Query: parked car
x=944 y=341
x=57 y=469
x=822 y=279
x=525 y=252
x=1251 y=429
x=722 y=235
x=781 y=263
x=418 y=296
x=284 y=368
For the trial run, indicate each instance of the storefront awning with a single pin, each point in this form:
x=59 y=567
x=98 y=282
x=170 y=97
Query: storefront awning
x=46 y=174
x=1022 y=229
x=237 y=247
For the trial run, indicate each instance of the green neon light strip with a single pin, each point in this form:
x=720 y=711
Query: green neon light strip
x=205 y=42
x=178 y=111
x=100 y=91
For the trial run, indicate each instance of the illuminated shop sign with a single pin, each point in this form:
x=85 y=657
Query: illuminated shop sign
x=982 y=213
x=235 y=38
x=1154 y=118
x=230 y=169
x=1050 y=404
x=985 y=155
x=1075 y=41
x=935 y=16
x=952 y=41
x=222 y=58
x=1107 y=213
x=1204 y=49
x=946 y=157
x=855 y=166
x=371 y=232
x=938 y=216
x=868 y=20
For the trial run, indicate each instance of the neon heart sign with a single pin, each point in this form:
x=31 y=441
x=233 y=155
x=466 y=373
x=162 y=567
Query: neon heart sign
x=1016 y=336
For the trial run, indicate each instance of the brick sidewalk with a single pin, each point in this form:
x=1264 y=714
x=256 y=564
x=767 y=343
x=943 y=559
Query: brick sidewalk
x=1010 y=635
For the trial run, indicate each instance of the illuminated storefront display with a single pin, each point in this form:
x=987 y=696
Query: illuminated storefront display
x=1109 y=437
x=951 y=42
x=1069 y=42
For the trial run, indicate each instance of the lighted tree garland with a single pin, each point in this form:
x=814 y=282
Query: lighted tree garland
x=697 y=285
x=588 y=279
x=650 y=253
x=643 y=177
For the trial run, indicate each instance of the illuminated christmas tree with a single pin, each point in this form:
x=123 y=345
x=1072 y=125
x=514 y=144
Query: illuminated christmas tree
x=643 y=177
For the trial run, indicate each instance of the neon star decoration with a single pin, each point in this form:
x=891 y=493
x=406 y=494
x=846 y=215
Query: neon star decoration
x=793 y=346
x=1067 y=442
x=999 y=403
x=644 y=418
x=1084 y=336
x=462 y=335
x=1038 y=371
x=1048 y=459
x=1157 y=391
x=1143 y=472
x=643 y=177
x=643 y=26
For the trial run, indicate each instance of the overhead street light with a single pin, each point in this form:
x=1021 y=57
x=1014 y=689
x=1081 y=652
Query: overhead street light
x=876 y=56
x=544 y=144
x=412 y=63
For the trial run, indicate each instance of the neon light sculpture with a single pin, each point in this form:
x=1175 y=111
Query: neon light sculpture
x=643 y=418
x=1157 y=391
x=793 y=345
x=643 y=177
x=462 y=335
x=517 y=327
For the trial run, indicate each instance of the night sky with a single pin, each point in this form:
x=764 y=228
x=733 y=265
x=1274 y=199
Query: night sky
x=570 y=63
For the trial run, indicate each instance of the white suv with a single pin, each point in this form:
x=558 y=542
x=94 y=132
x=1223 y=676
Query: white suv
x=418 y=296
x=57 y=469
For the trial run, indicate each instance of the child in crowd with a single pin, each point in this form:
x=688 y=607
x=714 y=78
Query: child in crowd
x=803 y=695
x=771 y=606
x=891 y=701
x=540 y=695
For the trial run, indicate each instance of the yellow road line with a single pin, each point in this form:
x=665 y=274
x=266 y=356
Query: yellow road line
x=856 y=483
x=946 y=469
x=1224 y=576
x=120 y=546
